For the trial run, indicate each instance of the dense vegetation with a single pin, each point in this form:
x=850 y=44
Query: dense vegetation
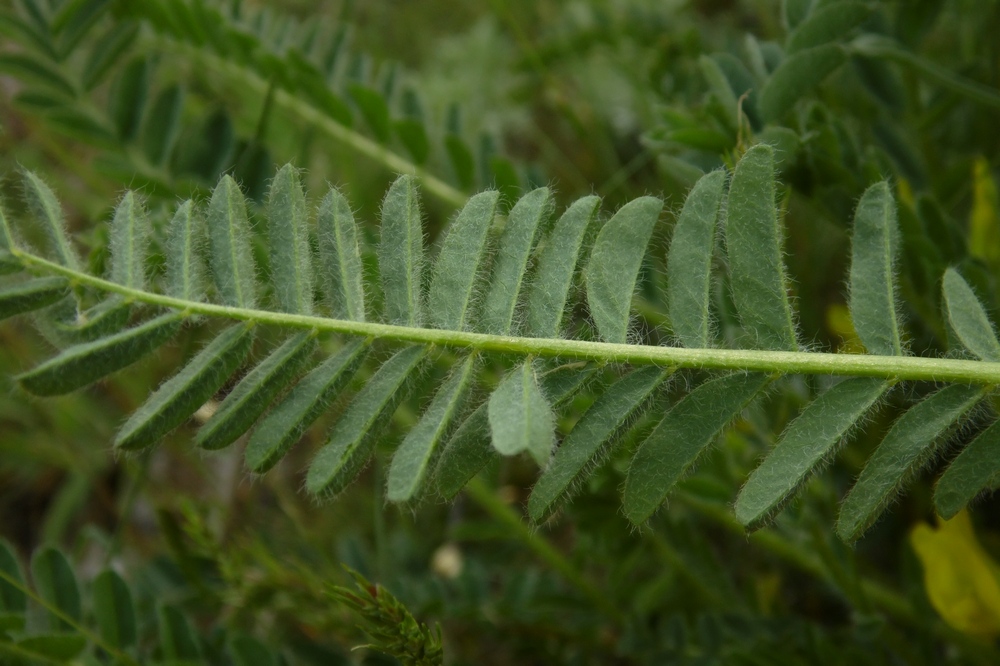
x=631 y=332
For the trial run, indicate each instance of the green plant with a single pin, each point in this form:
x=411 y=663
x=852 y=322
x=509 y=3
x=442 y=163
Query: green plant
x=454 y=355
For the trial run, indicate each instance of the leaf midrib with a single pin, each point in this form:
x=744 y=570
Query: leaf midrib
x=780 y=362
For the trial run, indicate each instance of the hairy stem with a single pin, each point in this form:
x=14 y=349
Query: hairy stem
x=854 y=365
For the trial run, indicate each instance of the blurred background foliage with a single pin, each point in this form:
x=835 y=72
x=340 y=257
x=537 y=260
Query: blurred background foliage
x=615 y=97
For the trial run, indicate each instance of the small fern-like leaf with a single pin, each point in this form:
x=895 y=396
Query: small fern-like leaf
x=586 y=444
x=905 y=449
x=873 y=257
x=86 y=363
x=520 y=416
x=968 y=319
x=754 y=247
x=614 y=265
x=511 y=260
x=807 y=442
x=229 y=237
x=248 y=400
x=413 y=459
x=287 y=422
x=689 y=260
x=673 y=448
x=178 y=397
x=340 y=256
x=288 y=236
x=401 y=253
x=456 y=268
x=347 y=452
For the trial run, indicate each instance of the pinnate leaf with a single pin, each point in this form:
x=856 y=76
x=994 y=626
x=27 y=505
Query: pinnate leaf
x=511 y=260
x=591 y=437
x=340 y=256
x=754 y=245
x=672 y=449
x=248 y=400
x=557 y=263
x=520 y=416
x=401 y=253
x=968 y=319
x=287 y=422
x=689 y=260
x=84 y=364
x=909 y=444
x=457 y=263
x=806 y=444
x=288 y=235
x=412 y=460
x=873 y=256
x=347 y=451
x=178 y=397
x=614 y=265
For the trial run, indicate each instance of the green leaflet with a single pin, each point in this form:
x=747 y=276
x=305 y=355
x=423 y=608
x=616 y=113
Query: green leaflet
x=31 y=295
x=162 y=125
x=511 y=261
x=968 y=319
x=549 y=291
x=84 y=364
x=591 y=437
x=229 y=238
x=973 y=471
x=827 y=24
x=185 y=273
x=412 y=460
x=248 y=400
x=520 y=417
x=286 y=423
x=13 y=602
x=52 y=648
x=909 y=444
x=470 y=448
x=56 y=584
x=114 y=610
x=614 y=265
x=689 y=261
x=107 y=52
x=374 y=109
x=106 y=318
x=754 y=246
x=177 y=639
x=39 y=72
x=129 y=237
x=805 y=444
x=178 y=397
x=719 y=85
x=873 y=256
x=45 y=208
x=401 y=253
x=128 y=98
x=288 y=235
x=6 y=238
x=349 y=447
x=340 y=256
x=672 y=449
x=457 y=264
x=796 y=76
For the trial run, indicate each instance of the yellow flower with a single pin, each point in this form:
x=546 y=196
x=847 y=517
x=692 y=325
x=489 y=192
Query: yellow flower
x=961 y=579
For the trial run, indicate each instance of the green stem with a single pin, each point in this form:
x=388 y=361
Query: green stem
x=303 y=109
x=83 y=631
x=493 y=505
x=892 y=368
